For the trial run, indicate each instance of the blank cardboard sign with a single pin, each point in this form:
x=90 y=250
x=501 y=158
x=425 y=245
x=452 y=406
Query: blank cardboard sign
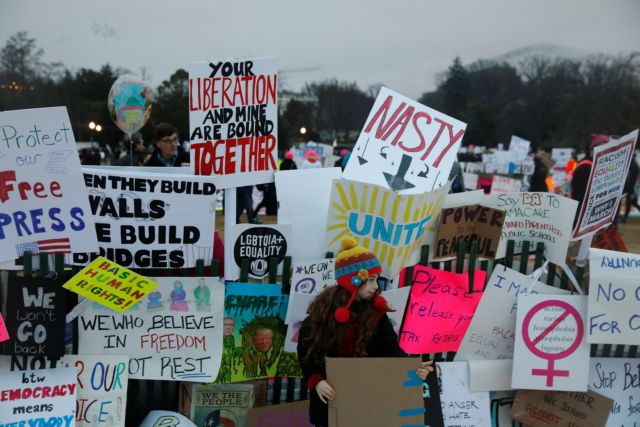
x=375 y=392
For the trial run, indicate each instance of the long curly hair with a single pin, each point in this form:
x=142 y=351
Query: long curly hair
x=326 y=333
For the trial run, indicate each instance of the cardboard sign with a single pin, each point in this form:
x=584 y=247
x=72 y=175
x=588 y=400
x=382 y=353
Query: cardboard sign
x=491 y=333
x=303 y=197
x=536 y=217
x=391 y=382
x=254 y=334
x=221 y=405
x=233 y=119
x=405 y=146
x=551 y=350
x=294 y=414
x=608 y=174
x=618 y=379
x=149 y=220
x=502 y=184
x=467 y=224
x=175 y=333
x=35 y=316
x=460 y=407
x=46 y=397
x=440 y=310
x=259 y=244
x=43 y=199
x=390 y=225
x=101 y=397
x=614 y=295
x=558 y=408
x=110 y=285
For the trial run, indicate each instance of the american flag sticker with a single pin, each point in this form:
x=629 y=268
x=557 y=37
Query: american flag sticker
x=52 y=246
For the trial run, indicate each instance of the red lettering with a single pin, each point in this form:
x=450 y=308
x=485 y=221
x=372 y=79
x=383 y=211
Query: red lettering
x=422 y=144
x=5 y=187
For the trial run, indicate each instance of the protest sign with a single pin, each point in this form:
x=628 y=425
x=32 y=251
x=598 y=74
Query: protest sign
x=160 y=418
x=608 y=174
x=501 y=402
x=460 y=407
x=490 y=375
x=35 y=316
x=110 y=284
x=502 y=184
x=559 y=408
x=390 y=225
x=618 y=379
x=294 y=414
x=550 y=331
x=491 y=333
x=561 y=156
x=254 y=333
x=43 y=199
x=496 y=162
x=233 y=119
x=391 y=383
x=397 y=301
x=440 y=309
x=296 y=313
x=259 y=244
x=470 y=180
x=175 y=333
x=221 y=404
x=46 y=397
x=614 y=295
x=312 y=277
x=101 y=396
x=467 y=224
x=518 y=151
x=536 y=217
x=303 y=197
x=147 y=220
x=405 y=146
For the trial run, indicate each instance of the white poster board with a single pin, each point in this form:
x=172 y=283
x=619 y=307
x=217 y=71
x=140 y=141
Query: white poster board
x=405 y=146
x=551 y=350
x=258 y=243
x=608 y=174
x=150 y=220
x=303 y=196
x=28 y=388
x=233 y=119
x=310 y=278
x=173 y=334
x=618 y=379
x=614 y=297
x=296 y=313
x=42 y=194
x=518 y=151
x=461 y=407
x=397 y=301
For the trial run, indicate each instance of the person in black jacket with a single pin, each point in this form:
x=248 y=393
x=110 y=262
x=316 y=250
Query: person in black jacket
x=348 y=320
x=168 y=151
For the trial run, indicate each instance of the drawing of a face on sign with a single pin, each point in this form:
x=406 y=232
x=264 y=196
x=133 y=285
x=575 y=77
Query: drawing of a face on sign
x=259 y=244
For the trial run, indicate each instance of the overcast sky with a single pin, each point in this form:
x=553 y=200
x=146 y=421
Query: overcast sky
x=401 y=43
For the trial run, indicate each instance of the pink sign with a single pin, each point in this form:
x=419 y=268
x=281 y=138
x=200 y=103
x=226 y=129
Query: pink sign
x=440 y=310
x=4 y=335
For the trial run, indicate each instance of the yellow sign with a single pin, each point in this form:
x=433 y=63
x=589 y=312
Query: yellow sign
x=110 y=284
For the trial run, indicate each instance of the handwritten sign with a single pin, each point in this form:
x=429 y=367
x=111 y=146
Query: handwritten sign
x=360 y=381
x=43 y=203
x=233 y=119
x=608 y=174
x=558 y=408
x=35 y=315
x=467 y=224
x=390 y=225
x=150 y=220
x=46 y=397
x=175 y=333
x=551 y=352
x=259 y=244
x=536 y=217
x=312 y=277
x=518 y=151
x=614 y=295
x=111 y=285
x=440 y=310
x=618 y=379
x=405 y=146
x=294 y=414
x=502 y=184
x=460 y=407
x=492 y=331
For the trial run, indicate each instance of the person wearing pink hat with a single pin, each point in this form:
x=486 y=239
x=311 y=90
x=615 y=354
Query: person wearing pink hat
x=311 y=159
x=348 y=320
x=288 y=163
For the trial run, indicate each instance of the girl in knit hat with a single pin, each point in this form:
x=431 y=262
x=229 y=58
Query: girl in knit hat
x=348 y=320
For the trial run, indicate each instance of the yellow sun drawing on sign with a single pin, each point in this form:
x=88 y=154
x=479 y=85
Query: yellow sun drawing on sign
x=389 y=225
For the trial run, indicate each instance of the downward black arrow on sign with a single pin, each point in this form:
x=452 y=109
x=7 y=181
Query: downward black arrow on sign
x=397 y=181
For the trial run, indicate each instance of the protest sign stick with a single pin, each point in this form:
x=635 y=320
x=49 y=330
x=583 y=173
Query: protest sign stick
x=583 y=252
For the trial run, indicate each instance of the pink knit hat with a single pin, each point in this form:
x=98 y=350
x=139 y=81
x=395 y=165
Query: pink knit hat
x=597 y=140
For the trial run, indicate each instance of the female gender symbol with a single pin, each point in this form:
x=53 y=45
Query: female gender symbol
x=569 y=310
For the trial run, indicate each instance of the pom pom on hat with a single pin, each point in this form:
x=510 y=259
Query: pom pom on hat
x=288 y=155
x=342 y=315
